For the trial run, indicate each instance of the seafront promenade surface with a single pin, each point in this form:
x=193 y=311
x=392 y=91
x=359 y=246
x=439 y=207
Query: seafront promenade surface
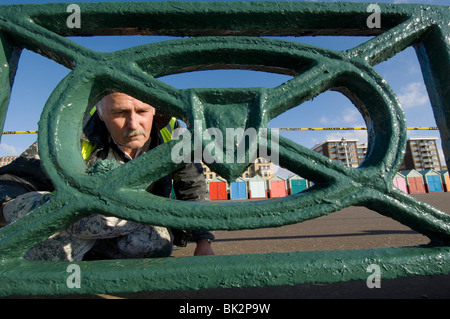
x=350 y=228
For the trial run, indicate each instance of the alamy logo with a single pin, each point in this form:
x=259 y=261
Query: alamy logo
x=213 y=146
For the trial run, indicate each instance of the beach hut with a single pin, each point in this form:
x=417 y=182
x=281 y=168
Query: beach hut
x=432 y=181
x=277 y=187
x=238 y=189
x=414 y=182
x=218 y=189
x=445 y=180
x=257 y=187
x=296 y=184
x=400 y=182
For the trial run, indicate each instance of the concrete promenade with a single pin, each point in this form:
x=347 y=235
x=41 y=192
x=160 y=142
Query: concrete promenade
x=351 y=228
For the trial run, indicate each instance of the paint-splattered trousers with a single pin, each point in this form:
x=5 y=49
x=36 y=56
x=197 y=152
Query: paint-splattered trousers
x=113 y=237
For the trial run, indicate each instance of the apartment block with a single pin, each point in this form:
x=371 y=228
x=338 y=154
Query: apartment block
x=347 y=151
x=421 y=154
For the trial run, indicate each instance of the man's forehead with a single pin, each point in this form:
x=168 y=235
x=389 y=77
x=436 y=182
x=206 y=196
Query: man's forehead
x=123 y=101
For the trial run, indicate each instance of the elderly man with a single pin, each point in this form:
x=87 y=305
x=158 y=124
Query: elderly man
x=121 y=129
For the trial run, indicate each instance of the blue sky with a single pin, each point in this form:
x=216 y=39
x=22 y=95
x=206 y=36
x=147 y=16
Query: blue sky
x=37 y=77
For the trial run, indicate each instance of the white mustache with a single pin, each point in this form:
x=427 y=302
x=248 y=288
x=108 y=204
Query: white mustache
x=133 y=133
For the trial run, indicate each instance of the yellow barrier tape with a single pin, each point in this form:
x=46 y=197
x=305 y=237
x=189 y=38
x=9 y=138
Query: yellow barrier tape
x=19 y=132
x=421 y=128
x=412 y=128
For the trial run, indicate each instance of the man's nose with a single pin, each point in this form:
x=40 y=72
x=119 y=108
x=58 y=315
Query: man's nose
x=132 y=121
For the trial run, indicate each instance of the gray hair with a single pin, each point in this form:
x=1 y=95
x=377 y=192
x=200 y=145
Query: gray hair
x=99 y=107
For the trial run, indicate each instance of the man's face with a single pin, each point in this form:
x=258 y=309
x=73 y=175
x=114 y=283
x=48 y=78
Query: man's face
x=128 y=120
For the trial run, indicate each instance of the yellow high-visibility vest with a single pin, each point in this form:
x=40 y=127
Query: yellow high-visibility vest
x=87 y=147
x=166 y=132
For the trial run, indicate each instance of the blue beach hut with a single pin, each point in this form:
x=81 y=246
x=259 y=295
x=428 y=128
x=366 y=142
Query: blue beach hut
x=238 y=189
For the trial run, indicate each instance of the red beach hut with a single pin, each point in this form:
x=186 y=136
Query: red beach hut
x=218 y=189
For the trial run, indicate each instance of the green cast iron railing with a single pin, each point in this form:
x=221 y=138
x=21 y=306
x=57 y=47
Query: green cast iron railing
x=224 y=35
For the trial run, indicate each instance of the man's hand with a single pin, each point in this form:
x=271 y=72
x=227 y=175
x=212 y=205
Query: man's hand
x=203 y=248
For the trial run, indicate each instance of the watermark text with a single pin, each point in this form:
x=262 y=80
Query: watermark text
x=74 y=19
x=374 y=20
x=374 y=279
x=74 y=279
x=235 y=146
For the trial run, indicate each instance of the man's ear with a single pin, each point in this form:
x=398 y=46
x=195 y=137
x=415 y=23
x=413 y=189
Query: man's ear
x=100 y=116
x=99 y=107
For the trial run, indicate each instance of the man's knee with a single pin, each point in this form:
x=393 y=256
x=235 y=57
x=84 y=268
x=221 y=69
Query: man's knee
x=24 y=204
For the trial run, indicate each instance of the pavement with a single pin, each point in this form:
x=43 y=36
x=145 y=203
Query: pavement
x=350 y=228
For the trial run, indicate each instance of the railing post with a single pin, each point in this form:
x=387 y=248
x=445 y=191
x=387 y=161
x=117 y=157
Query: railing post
x=434 y=58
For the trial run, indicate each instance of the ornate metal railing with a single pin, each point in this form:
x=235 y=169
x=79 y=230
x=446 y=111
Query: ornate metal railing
x=224 y=35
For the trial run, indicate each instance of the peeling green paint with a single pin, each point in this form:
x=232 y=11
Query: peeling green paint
x=227 y=35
